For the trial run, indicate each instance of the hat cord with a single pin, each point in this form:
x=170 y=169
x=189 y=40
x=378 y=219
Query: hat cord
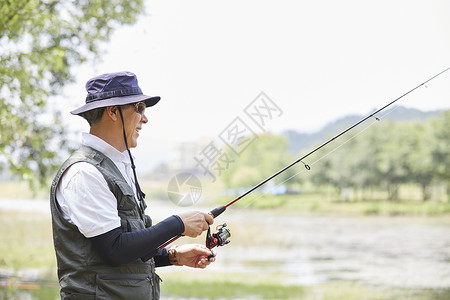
x=139 y=192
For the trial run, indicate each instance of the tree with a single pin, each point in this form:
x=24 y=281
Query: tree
x=337 y=165
x=40 y=40
x=389 y=155
x=420 y=164
x=441 y=148
x=390 y=165
x=351 y=162
x=266 y=155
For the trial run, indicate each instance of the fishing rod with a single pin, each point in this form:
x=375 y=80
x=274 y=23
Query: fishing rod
x=220 y=237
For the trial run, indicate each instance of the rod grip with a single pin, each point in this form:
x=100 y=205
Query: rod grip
x=217 y=211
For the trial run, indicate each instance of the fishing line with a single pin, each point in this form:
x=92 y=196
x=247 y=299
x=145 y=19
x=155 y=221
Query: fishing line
x=374 y=115
x=308 y=166
x=220 y=209
x=262 y=194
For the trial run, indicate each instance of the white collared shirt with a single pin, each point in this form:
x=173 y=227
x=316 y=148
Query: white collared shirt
x=84 y=195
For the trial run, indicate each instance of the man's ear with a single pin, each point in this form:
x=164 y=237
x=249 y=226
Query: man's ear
x=112 y=112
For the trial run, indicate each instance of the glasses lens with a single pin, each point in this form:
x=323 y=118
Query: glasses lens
x=140 y=107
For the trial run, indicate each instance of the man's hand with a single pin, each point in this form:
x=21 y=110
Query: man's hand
x=194 y=256
x=195 y=222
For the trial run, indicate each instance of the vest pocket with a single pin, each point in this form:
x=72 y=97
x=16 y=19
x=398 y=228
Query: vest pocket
x=124 y=286
x=76 y=296
x=126 y=199
x=156 y=286
x=135 y=224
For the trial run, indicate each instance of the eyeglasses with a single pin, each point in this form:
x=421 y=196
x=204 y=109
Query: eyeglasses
x=140 y=107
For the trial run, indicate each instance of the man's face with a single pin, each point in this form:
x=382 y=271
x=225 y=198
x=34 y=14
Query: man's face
x=133 y=121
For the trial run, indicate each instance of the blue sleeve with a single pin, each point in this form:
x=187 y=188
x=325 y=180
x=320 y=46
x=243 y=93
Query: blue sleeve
x=162 y=258
x=117 y=247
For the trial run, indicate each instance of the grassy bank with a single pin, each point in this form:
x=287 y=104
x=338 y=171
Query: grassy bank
x=26 y=241
x=27 y=260
x=234 y=286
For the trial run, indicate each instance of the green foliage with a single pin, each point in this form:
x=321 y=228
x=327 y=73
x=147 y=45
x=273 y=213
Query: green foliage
x=40 y=41
x=266 y=155
x=226 y=289
x=389 y=155
x=385 y=156
x=440 y=131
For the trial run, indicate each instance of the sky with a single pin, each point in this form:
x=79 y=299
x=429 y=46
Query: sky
x=315 y=60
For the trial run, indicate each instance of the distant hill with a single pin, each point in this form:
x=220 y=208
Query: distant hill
x=298 y=141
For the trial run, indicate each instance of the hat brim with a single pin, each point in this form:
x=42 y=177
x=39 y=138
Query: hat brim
x=148 y=100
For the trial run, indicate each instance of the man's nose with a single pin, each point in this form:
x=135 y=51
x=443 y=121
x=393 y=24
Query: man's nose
x=144 y=118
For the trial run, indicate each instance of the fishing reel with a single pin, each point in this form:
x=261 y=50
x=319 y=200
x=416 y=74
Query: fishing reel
x=219 y=238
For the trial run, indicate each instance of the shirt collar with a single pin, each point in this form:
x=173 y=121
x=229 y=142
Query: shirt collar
x=105 y=148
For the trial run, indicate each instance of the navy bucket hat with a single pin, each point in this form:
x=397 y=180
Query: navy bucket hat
x=112 y=89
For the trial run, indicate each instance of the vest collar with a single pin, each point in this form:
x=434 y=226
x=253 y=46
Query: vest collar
x=105 y=148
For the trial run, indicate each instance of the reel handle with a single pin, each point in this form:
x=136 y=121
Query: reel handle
x=214 y=213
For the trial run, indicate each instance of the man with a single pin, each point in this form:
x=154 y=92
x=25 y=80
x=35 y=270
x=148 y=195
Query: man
x=106 y=247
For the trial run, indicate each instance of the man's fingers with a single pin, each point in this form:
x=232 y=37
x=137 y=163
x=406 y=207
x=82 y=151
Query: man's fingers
x=209 y=219
x=195 y=222
x=202 y=250
x=205 y=226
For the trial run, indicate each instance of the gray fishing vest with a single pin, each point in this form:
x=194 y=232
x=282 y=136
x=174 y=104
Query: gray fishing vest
x=82 y=273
